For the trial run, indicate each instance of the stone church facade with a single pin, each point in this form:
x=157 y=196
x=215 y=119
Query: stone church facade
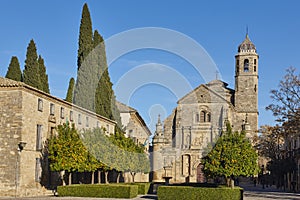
x=181 y=140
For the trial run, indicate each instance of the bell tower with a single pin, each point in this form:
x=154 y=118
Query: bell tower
x=246 y=84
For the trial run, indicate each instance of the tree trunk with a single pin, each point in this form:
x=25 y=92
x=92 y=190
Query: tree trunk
x=106 y=177
x=118 y=177
x=93 y=177
x=230 y=182
x=99 y=176
x=133 y=175
x=70 y=178
x=61 y=174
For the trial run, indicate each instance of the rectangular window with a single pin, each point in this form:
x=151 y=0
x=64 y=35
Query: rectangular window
x=71 y=116
x=87 y=121
x=79 y=118
x=62 y=112
x=40 y=105
x=52 y=109
x=107 y=128
x=39 y=136
x=38 y=170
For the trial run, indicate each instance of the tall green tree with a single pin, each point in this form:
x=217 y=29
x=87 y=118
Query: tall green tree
x=106 y=100
x=69 y=97
x=93 y=88
x=31 y=74
x=88 y=70
x=85 y=36
x=105 y=97
x=14 y=72
x=44 y=85
x=99 y=52
x=232 y=156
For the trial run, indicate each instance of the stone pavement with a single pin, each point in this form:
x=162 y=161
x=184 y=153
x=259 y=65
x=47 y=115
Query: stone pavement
x=268 y=193
x=250 y=193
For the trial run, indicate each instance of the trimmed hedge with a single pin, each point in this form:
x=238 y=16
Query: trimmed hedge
x=99 y=190
x=143 y=188
x=197 y=193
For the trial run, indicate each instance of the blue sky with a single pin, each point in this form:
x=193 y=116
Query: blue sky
x=218 y=26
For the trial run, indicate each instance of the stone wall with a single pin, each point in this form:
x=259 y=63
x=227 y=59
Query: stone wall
x=25 y=114
x=10 y=135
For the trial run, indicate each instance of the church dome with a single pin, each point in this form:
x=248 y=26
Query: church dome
x=247 y=45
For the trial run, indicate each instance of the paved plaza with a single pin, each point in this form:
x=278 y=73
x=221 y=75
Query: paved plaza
x=267 y=193
x=250 y=193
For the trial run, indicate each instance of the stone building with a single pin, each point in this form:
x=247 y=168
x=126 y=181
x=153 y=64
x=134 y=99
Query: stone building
x=135 y=128
x=181 y=140
x=291 y=153
x=28 y=115
x=134 y=125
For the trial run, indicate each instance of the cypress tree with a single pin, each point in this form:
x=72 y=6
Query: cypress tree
x=105 y=97
x=14 y=72
x=93 y=89
x=105 y=100
x=99 y=53
x=31 y=74
x=85 y=36
x=87 y=74
x=43 y=76
x=69 y=97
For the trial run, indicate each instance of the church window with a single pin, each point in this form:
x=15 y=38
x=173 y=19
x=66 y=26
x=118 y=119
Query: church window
x=203 y=116
x=254 y=68
x=246 y=65
x=208 y=117
x=255 y=88
x=254 y=61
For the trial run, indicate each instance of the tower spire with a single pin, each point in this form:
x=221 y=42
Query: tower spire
x=159 y=127
x=158 y=120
